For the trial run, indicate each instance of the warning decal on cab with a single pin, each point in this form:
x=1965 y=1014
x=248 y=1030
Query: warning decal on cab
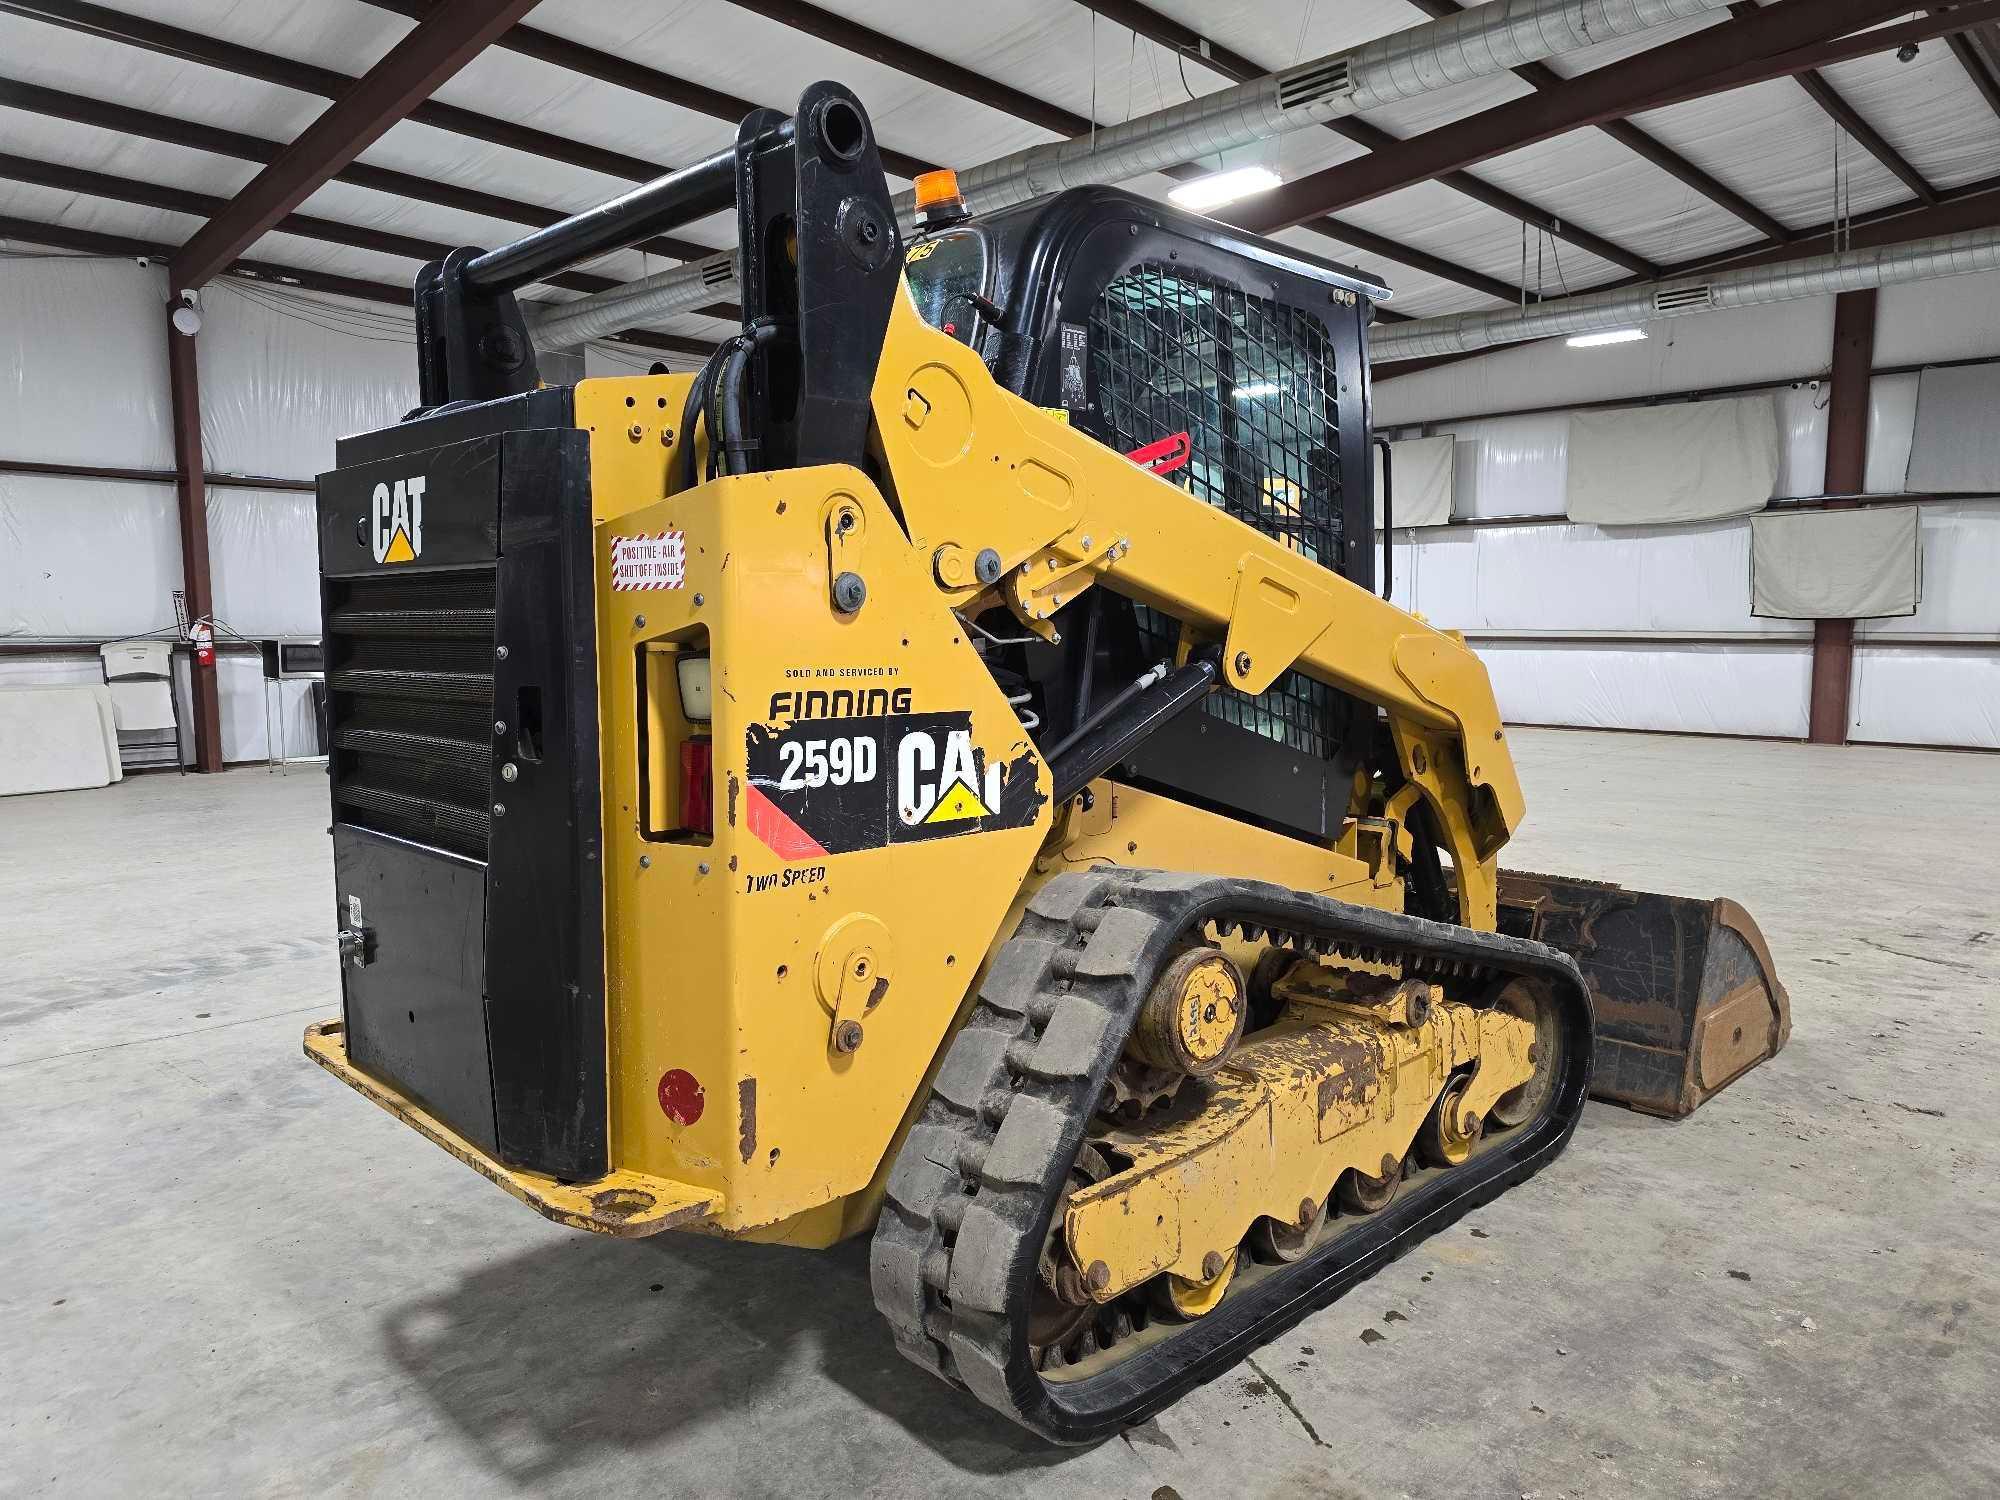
x=833 y=786
x=656 y=560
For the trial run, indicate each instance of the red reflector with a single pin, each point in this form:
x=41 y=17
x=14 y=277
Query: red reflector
x=698 y=786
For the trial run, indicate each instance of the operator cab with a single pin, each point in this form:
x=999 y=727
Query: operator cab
x=1236 y=369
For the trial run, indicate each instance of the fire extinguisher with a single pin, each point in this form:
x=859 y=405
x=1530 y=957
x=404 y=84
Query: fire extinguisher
x=202 y=634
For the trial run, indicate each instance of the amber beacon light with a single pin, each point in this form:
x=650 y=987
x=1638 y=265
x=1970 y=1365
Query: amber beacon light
x=939 y=202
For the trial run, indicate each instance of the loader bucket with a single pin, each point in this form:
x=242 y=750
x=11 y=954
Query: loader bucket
x=1684 y=990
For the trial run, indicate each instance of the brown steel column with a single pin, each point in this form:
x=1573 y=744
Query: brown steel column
x=1846 y=475
x=193 y=494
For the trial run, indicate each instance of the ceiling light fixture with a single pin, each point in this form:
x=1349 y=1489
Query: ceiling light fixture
x=1218 y=188
x=1613 y=336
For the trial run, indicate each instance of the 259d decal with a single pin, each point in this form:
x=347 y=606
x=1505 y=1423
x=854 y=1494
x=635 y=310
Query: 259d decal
x=832 y=786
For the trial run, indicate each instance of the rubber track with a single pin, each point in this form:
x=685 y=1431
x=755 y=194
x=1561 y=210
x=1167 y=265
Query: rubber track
x=972 y=1192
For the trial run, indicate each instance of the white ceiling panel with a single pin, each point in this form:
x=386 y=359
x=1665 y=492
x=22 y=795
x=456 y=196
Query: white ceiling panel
x=525 y=91
x=1052 y=50
x=464 y=162
x=1770 y=142
x=1279 y=33
x=119 y=155
x=1592 y=180
x=1433 y=217
x=1928 y=109
x=764 y=63
x=315 y=255
x=345 y=36
x=54 y=57
x=45 y=205
x=1777 y=147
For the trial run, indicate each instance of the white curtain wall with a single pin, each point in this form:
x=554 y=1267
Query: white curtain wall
x=1640 y=627
x=1650 y=627
x=83 y=381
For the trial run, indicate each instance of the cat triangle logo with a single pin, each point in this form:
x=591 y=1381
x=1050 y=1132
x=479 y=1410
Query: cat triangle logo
x=958 y=801
x=397 y=525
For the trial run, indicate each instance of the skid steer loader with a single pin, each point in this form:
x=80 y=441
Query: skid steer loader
x=943 y=772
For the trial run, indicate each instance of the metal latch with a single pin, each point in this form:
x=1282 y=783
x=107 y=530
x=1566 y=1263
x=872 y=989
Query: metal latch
x=857 y=959
x=356 y=938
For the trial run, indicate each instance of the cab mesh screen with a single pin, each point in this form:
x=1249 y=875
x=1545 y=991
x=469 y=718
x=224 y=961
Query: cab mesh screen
x=1251 y=382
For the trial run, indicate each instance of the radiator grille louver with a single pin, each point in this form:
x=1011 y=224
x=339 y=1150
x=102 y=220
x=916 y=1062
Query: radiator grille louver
x=410 y=669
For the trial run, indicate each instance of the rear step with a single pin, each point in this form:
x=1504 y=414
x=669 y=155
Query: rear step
x=625 y=1204
x=1686 y=997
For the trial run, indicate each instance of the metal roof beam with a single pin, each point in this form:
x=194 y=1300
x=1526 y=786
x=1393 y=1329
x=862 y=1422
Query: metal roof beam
x=404 y=77
x=305 y=78
x=1845 y=115
x=1978 y=52
x=967 y=83
x=56 y=104
x=622 y=72
x=125 y=247
x=247 y=62
x=1780 y=41
x=1865 y=135
x=302 y=226
x=1213 y=55
x=1974 y=206
x=851 y=36
x=1543 y=78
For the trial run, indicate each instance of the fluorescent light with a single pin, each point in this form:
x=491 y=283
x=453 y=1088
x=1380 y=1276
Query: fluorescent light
x=1614 y=336
x=1258 y=388
x=1219 y=188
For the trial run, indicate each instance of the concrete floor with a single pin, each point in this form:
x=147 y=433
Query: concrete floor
x=226 y=1274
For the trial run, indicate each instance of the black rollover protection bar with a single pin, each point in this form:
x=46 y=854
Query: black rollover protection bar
x=819 y=255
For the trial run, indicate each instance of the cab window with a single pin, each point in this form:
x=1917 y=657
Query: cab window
x=945 y=273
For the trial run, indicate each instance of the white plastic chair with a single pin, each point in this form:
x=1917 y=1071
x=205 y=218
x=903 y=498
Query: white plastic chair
x=141 y=676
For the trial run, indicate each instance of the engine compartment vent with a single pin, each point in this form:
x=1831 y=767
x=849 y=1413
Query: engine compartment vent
x=410 y=670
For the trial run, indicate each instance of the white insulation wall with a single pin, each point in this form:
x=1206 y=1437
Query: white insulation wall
x=1646 y=627
x=83 y=380
x=1650 y=627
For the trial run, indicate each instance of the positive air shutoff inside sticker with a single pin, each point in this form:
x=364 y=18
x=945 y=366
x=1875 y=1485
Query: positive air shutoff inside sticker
x=655 y=560
x=832 y=786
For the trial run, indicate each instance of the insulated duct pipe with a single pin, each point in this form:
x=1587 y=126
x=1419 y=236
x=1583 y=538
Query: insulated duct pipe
x=1685 y=296
x=1477 y=43
x=1481 y=42
x=566 y=324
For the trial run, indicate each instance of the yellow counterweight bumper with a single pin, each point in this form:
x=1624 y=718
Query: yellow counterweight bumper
x=627 y=1204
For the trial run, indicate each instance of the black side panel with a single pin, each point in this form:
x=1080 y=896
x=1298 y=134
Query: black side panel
x=414 y=1012
x=544 y=895
x=1264 y=781
x=549 y=407
x=480 y=843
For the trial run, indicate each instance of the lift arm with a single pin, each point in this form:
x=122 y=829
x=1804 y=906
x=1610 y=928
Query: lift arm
x=980 y=474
